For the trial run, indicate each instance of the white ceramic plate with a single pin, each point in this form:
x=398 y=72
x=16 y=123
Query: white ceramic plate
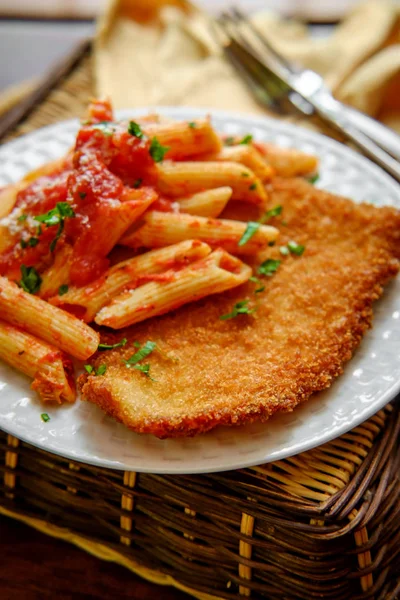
x=372 y=378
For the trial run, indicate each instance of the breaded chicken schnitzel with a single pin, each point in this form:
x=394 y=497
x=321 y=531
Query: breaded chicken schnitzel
x=308 y=322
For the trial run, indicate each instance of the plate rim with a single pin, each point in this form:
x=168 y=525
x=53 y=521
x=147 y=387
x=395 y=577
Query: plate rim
x=254 y=121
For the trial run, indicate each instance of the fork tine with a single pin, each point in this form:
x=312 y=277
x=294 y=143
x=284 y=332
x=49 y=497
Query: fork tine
x=281 y=60
x=267 y=89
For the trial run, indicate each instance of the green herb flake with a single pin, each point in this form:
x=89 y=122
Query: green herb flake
x=250 y=230
x=296 y=248
x=313 y=179
x=82 y=195
x=273 y=212
x=31 y=280
x=56 y=216
x=254 y=279
x=284 y=250
x=45 y=417
x=63 y=289
x=145 y=369
x=33 y=241
x=268 y=267
x=240 y=308
x=147 y=349
x=135 y=130
x=245 y=174
x=22 y=218
x=229 y=141
x=103 y=347
x=253 y=187
x=272 y=243
x=101 y=370
x=23 y=243
x=39 y=230
x=247 y=139
x=137 y=183
x=136 y=344
x=192 y=125
x=157 y=151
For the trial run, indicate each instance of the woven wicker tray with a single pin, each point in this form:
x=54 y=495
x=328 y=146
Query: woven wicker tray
x=323 y=524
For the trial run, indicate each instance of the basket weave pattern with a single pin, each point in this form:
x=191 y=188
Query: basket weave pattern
x=323 y=524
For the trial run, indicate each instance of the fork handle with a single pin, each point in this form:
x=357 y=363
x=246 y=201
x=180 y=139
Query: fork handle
x=382 y=135
x=362 y=141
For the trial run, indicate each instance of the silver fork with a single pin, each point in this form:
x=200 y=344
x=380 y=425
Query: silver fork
x=276 y=82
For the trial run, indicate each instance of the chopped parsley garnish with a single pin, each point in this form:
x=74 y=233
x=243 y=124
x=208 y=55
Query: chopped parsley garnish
x=254 y=279
x=284 y=250
x=136 y=344
x=247 y=139
x=271 y=243
x=137 y=183
x=31 y=279
x=240 y=308
x=273 y=212
x=63 y=289
x=99 y=371
x=105 y=127
x=245 y=174
x=313 y=179
x=268 y=267
x=145 y=369
x=192 y=125
x=22 y=218
x=229 y=141
x=253 y=186
x=82 y=195
x=296 y=248
x=39 y=230
x=56 y=216
x=45 y=417
x=135 y=130
x=23 y=243
x=112 y=346
x=147 y=349
x=157 y=151
x=251 y=229
x=33 y=241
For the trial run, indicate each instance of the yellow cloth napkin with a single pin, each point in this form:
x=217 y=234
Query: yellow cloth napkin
x=153 y=52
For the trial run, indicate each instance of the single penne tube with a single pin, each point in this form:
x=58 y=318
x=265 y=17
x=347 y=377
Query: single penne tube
x=87 y=301
x=218 y=272
x=247 y=155
x=210 y=203
x=185 y=138
x=110 y=223
x=58 y=274
x=185 y=178
x=45 y=321
x=50 y=369
x=288 y=162
x=163 y=228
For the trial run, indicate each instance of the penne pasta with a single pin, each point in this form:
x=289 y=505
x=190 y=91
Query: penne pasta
x=184 y=178
x=185 y=139
x=120 y=216
x=214 y=274
x=87 y=301
x=210 y=203
x=247 y=155
x=162 y=229
x=58 y=274
x=50 y=369
x=46 y=321
x=288 y=162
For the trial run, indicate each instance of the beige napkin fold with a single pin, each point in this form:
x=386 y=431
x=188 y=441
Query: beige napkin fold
x=153 y=52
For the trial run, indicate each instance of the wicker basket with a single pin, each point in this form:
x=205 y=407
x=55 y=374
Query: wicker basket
x=323 y=524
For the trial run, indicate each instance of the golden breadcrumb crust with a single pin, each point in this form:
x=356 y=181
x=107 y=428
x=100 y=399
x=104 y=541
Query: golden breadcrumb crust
x=310 y=318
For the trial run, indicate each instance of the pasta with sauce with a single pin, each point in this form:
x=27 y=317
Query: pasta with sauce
x=157 y=188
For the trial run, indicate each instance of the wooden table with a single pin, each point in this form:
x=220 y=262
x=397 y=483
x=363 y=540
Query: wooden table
x=34 y=566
